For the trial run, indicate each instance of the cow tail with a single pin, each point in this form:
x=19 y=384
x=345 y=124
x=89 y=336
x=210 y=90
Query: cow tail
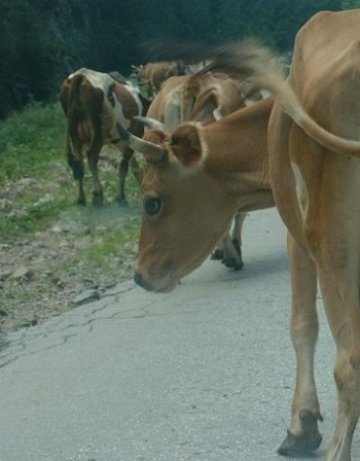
x=74 y=116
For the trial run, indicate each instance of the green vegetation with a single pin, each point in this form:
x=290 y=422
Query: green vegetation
x=36 y=186
x=30 y=141
x=112 y=248
x=52 y=250
x=41 y=41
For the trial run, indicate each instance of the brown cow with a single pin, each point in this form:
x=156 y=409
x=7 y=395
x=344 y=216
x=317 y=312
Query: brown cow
x=94 y=102
x=314 y=168
x=206 y=97
x=151 y=75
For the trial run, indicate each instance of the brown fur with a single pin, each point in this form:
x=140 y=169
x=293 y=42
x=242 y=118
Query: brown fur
x=308 y=143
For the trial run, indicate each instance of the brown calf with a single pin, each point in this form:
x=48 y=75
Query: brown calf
x=153 y=74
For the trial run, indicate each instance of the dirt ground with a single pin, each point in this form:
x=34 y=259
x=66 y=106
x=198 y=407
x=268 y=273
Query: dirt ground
x=42 y=275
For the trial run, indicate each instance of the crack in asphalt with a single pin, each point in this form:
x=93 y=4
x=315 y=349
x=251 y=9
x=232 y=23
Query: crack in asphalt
x=20 y=347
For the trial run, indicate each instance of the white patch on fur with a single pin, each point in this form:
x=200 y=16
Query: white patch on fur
x=135 y=93
x=103 y=81
x=119 y=114
x=217 y=114
x=301 y=190
x=97 y=79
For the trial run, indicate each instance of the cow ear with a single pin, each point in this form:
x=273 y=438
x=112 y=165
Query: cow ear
x=207 y=107
x=187 y=145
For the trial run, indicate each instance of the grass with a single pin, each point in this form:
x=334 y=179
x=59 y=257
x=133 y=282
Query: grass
x=37 y=189
x=110 y=251
x=30 y=141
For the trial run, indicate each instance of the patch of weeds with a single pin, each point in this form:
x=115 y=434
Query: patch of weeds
x=19 y=293
x=30 y=139
x=33 y=218
x=111 y=249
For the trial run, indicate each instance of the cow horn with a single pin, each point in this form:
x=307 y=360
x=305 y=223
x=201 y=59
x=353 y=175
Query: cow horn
x=139 y=144
x=150 y=122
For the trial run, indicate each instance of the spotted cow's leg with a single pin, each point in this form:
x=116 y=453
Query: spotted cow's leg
x=123 y=171
x=93 y=159
x=303 y=434
x=136 y=168
x=77 y=168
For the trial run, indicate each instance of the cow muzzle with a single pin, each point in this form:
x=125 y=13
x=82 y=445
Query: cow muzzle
x=139 y=280
x=159 y=287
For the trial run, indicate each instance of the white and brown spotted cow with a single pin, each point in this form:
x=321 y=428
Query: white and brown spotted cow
x=305 y=143
x=94 y=103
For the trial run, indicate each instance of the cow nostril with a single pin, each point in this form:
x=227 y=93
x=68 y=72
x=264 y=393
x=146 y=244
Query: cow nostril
x=138 y=279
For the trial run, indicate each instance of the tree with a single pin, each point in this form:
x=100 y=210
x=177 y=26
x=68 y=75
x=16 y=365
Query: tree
x=349 y=4
x=41 y=41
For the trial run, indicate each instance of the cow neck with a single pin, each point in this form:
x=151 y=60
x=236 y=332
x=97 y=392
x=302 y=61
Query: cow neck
x=237 y=146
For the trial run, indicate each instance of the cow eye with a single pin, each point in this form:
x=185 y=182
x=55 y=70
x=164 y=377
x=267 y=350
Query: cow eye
x=152 y=205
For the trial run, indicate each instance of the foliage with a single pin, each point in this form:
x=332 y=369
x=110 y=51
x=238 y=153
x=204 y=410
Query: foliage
x=41 y=41
x=349 y=4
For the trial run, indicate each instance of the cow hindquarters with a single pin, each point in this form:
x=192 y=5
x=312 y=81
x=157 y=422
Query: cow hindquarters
x=303 y=434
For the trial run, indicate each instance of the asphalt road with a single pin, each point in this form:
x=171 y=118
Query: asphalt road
x=204 y=373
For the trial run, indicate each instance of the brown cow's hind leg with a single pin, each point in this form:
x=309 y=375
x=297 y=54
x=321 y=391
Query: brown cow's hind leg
x=303 y=433
x=341 y=296
x=123 y=170
x=228 y=250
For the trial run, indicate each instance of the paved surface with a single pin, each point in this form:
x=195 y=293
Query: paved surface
x=201 y=374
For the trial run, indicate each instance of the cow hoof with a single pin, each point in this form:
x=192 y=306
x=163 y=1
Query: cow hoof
x=217 y=255
x=233 y=263
x=305 y=442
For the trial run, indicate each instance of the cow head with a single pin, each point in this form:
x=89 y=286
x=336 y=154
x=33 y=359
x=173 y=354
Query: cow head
x=184 y=211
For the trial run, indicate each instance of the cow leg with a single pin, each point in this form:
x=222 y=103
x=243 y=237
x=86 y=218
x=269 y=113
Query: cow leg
x=93 y=159
x=218 y=253
x=228 y=249
x=123 y=170
x=136 y=169
x=232 y=244
x=303 y=434
x=77 y=167
x=340 y=290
